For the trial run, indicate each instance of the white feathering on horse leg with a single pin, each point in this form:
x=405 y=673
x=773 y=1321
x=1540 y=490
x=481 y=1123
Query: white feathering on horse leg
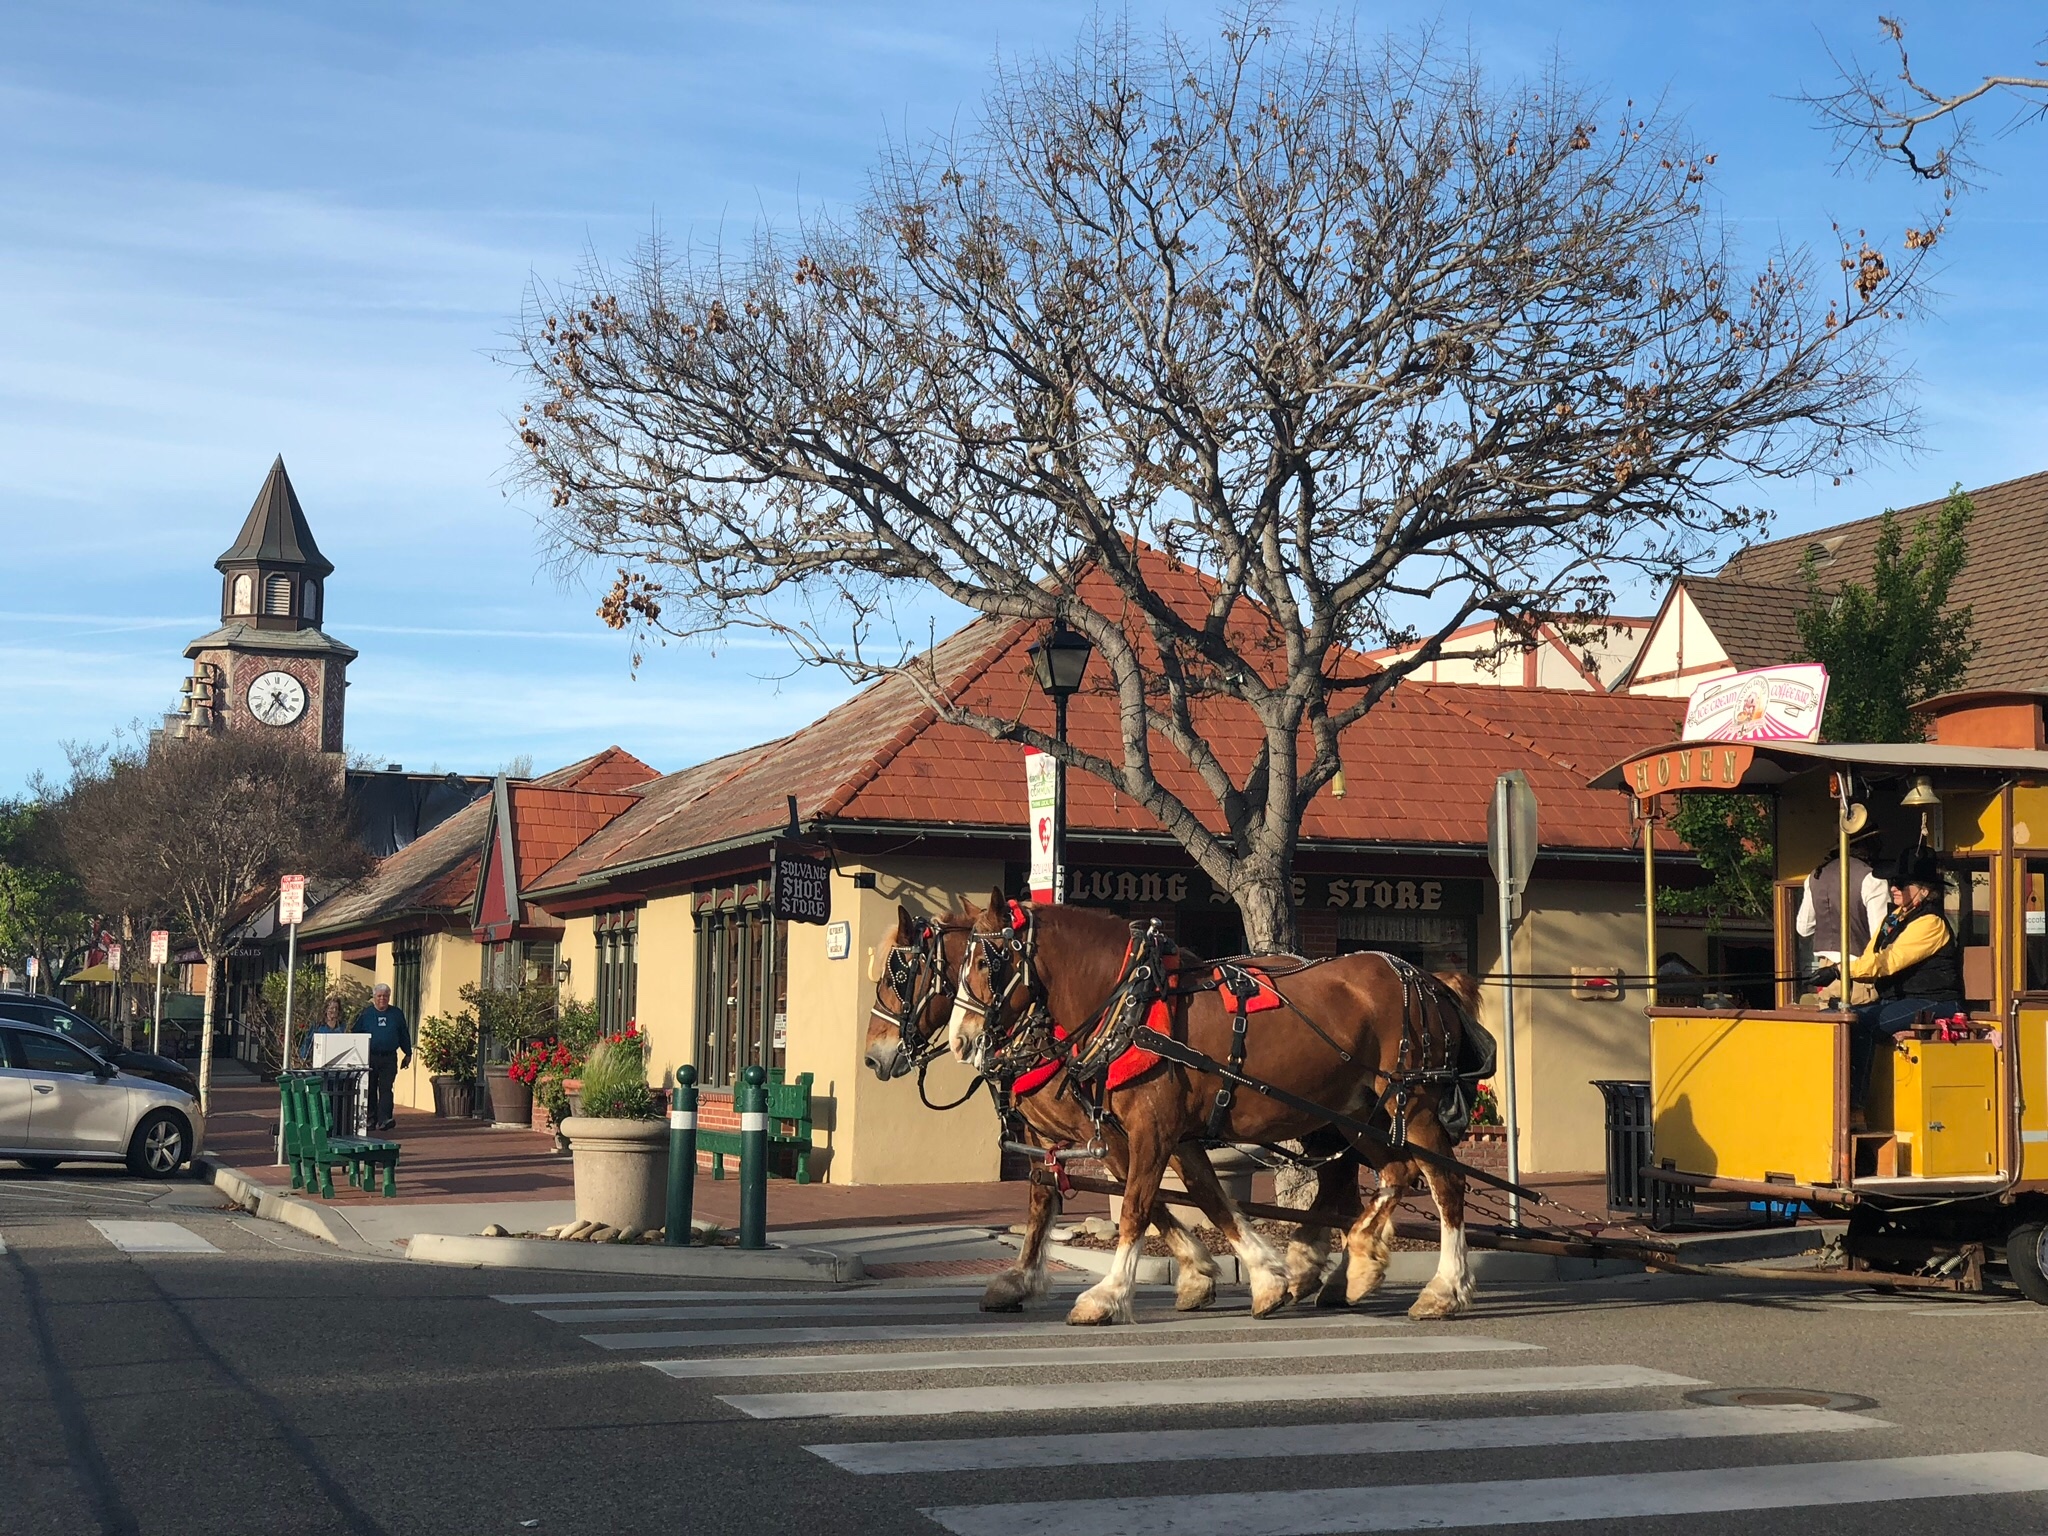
x=1368 y=1246
x=1449 y=1291
x=1195 y=1286
x=1261 y=1261
x=1109 y=1299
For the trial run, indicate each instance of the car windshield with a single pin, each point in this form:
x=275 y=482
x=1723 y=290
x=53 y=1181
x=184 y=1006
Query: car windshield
x=78 y=1029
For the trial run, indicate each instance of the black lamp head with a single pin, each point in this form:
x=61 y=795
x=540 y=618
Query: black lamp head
x=1060 y=660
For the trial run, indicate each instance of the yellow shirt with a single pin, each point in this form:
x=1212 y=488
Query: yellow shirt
x=1923 y=936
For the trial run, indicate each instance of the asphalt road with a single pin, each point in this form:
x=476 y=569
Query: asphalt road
x=264 y=1383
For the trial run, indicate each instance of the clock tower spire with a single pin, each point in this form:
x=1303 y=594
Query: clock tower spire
x=270 y=666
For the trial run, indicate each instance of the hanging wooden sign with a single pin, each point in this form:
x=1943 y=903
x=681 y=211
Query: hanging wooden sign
x=1719 y=765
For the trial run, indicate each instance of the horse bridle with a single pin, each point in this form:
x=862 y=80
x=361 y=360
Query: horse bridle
x=1006 y=957
x=916 y=973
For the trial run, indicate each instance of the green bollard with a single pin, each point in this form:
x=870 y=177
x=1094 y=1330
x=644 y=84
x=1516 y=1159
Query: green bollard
x=682 y=1157
x=752 y=1104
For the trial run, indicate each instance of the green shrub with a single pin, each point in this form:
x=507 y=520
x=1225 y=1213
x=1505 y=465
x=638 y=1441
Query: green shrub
x=449 y=1045
x=578 y=1027
x=615 y=1082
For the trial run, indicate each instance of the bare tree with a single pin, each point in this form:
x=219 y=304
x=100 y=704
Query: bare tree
x=201 y=828
x=1350 y=332
x=1928 y=129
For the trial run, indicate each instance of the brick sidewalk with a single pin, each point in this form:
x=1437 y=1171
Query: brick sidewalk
x=448 y=1162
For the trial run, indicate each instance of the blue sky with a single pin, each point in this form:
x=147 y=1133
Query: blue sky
x=233 y=231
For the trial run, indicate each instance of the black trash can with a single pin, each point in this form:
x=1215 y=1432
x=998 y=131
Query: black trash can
x=1628 y=1144
x=348 y=1098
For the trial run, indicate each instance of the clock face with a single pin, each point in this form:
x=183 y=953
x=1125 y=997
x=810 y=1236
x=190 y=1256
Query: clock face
x=277 y=698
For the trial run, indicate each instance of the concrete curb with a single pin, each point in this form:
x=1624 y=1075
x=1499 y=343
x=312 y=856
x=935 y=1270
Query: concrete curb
x=268 y=1204
x=814 y=1264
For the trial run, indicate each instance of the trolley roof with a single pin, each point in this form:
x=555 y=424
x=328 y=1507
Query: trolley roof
x=1766 y=764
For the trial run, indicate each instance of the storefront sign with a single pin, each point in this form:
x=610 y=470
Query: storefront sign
x=838 y=940
x=1688 y=768
x=803 y=885
x=1769 y=704
x=1352 y=893
x=1042 y=794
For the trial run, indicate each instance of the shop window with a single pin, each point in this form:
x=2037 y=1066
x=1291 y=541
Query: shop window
x=1427 y=941
x=742 y=989
x=537 y=963
x=2034 y=925
x=405 y=977
x=618 y=967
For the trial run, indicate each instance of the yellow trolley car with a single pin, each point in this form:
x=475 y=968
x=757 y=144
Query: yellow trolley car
x=1945 y=1180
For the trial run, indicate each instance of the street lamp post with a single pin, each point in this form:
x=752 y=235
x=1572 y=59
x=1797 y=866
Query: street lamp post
x=1060 y=661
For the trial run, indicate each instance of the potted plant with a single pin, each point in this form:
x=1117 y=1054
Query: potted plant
x=508 y=1019
x=448 y=1051
x=560 y=1086
x=619 y=1141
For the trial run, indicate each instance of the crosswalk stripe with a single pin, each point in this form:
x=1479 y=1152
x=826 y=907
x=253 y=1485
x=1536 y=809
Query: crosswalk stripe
x=889 y=1333
x=1197 y=1391
x=864 y=1307
x=1081 y=1354
x=1530 y=1501
x=153 y=1237
x=577 y=1298
x=1383 y=1438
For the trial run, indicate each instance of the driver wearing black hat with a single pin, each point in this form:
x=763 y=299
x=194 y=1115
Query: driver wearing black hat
x=1913 y=961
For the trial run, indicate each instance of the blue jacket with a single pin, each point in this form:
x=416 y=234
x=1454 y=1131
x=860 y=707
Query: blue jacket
x=387 y=1030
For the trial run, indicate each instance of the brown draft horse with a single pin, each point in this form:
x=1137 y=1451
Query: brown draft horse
x=1356 y=1006
x=913 y=973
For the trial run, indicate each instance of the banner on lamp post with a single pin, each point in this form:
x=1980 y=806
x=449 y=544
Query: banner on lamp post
x=291 y=900
x=1042 y=793
x=159 y=946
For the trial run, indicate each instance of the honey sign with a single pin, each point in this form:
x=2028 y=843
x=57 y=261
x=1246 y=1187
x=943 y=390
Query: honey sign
x=1715 y=765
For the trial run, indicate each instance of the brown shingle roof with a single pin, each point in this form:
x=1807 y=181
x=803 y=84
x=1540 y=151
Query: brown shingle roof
x=435 y=875
x=2000 y=584
x=1757 y=625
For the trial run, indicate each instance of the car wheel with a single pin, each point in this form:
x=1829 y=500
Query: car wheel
x=2023 y=1257
x=37 y=1164
x=160 y=1145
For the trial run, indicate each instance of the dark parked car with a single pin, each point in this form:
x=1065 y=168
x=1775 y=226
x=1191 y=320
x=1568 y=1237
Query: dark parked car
x=28 y=1008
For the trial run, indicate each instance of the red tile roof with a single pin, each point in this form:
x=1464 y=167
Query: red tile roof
x=1420 y=766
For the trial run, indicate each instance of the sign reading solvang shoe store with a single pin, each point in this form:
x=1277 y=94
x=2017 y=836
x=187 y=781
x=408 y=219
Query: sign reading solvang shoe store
x=1342 y=892
x=803 y=884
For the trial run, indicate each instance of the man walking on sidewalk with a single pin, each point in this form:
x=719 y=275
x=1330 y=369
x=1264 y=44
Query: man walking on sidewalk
x=385 y=1024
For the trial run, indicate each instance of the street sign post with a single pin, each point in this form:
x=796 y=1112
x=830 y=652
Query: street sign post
x=120 y=999
x=159 y=953
x=291 y=911
x=1511 y=850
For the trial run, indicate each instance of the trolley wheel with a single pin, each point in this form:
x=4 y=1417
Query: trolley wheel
x=2023 y=1256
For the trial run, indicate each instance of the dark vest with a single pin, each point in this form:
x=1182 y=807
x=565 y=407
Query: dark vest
x=1939 y=976
x=1826 y=886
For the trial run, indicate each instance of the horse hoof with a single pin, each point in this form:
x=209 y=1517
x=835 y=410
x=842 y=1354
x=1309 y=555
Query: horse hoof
x=1268 y=1300
x=1001 y=1306
x=1010 y=1290
x=1362 y=1286
x=1192 y=1298
x=1434 y=1305
x=1098 y=1315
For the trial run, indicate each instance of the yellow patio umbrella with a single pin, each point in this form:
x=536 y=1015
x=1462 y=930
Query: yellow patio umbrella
x=100 y=972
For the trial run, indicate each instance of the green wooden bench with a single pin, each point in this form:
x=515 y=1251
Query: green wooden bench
x=314 y=1151
x=789 y=1125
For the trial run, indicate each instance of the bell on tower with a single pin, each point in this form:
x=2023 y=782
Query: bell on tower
x=269 y=666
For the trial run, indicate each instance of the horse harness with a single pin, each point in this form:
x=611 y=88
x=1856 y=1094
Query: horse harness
x=916 y=973
x=1135 y=1023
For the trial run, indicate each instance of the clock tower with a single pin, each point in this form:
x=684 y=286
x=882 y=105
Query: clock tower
x=270 y=667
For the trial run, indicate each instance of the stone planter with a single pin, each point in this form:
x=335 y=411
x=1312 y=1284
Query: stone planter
x=454 y=1097
x=511 y=1101
x=1234 y=1170
x=621 y=1170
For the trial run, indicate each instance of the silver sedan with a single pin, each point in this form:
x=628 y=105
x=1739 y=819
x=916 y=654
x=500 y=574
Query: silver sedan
x=60 y=1103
